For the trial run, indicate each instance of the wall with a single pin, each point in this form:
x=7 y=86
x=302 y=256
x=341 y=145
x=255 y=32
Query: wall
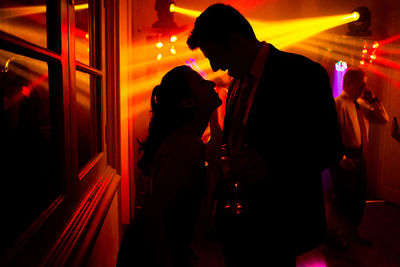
x=105 y=251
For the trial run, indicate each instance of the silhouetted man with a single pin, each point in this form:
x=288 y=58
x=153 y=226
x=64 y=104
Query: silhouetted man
x=281 y=128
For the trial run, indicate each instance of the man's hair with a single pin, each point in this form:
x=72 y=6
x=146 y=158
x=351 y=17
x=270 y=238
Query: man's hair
x=353 y=74
x=217 y=24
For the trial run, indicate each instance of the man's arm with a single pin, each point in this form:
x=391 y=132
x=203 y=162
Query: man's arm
x=373 y=108
x=395 y=129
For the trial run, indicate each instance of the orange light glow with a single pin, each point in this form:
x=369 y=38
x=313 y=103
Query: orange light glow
x=173 y=38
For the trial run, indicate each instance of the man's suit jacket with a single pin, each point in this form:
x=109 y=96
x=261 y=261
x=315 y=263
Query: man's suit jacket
x=293 y=125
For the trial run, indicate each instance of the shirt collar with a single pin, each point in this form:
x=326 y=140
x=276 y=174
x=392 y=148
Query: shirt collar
x=347 y=96
x=257 y=67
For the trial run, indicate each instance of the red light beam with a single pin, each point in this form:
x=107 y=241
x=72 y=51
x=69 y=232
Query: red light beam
x=389 y=40
x=380 y=73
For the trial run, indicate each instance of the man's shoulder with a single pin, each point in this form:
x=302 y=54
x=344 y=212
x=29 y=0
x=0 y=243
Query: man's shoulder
x=289 y=55
x=290 y=60
x=283 y=63
x=341 y=102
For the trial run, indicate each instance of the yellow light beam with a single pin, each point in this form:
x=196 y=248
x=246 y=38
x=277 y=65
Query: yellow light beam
x=289 y=32
x=322 y=51
x=184 y=11
x=337 y=47
x=80 y=7
x=13 y=12
x=282 y=34
x=286 y=33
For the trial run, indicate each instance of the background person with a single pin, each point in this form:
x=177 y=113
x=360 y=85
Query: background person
x=357 y=106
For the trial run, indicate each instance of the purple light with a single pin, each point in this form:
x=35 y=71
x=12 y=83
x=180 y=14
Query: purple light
x=340 y=70
x=341 y=65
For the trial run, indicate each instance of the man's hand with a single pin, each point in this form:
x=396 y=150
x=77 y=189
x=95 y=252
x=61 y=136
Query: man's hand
x=395 y=130
x=369 y=96
x=348 y=164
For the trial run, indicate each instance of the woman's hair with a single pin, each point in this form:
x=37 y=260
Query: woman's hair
x=217 y=24
x=167 y=113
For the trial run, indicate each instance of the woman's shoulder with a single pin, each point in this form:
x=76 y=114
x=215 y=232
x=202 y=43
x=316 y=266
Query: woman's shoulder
x=180 y=149
x=182 y=142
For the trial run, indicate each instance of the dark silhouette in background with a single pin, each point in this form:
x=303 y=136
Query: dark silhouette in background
x=281 y=129
x=174 y=157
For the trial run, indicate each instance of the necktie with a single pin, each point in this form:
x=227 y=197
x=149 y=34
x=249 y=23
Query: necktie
x=361 y=122
x=237 y=129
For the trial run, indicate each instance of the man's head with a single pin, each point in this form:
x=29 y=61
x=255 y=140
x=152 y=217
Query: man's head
x=354 y=82
x=219 y=32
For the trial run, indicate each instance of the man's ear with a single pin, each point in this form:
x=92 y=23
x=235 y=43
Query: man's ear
x=188 y=102
x=236 y=38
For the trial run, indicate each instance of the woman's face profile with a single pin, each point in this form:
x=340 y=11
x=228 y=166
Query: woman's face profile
x=203 y=91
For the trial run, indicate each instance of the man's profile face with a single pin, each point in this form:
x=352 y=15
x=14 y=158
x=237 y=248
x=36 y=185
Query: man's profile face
x=219 y=57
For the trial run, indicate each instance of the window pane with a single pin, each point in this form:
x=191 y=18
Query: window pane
x=29 y=176
x=25 y=19
x=88 y=116
x=83 y=37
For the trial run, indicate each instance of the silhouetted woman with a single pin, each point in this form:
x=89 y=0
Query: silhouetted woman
x=174 y=156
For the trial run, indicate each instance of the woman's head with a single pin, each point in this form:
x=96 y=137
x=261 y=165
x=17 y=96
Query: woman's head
x=182 y=92
x=182 y=96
